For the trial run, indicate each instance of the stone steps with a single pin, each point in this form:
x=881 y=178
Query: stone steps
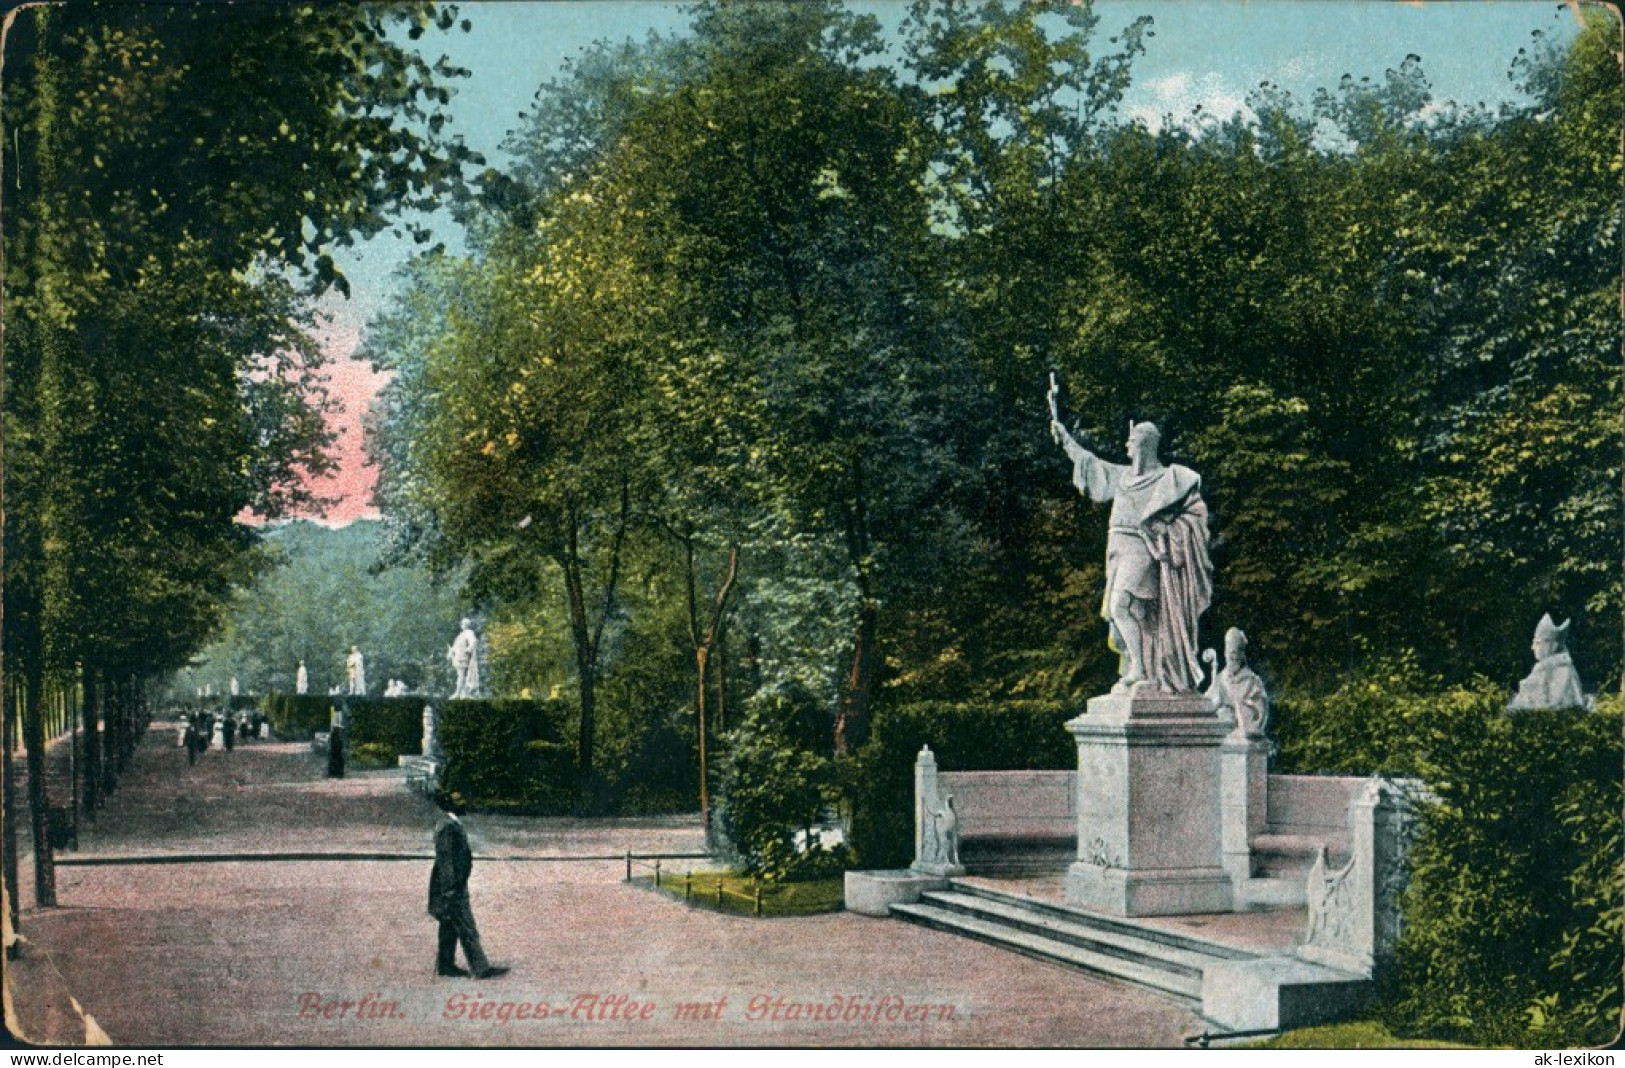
x=1160 y=960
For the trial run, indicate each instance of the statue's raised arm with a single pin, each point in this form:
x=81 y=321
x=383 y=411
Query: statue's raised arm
x=1093 y=476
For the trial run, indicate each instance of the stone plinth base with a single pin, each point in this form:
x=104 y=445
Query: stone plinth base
x=1278 y=993
x=1150 y=830
x=1179 y=892
x=873 y=893
x=1244 y=790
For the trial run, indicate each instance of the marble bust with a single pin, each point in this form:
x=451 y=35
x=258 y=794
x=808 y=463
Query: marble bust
x=1238 y=690
x=1554 y=682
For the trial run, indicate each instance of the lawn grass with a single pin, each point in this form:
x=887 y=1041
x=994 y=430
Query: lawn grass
x=1361 y=1034
x=739 y=893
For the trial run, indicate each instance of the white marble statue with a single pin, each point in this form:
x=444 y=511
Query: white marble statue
x=355 y=672
x=1237 y=691
x=1554 y=683
x=1159 y=578
x=234 y=686
x=301 y=680
x=464 y=655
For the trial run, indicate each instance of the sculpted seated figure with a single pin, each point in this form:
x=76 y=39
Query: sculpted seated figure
x=1554 y=683
x=1238 y=689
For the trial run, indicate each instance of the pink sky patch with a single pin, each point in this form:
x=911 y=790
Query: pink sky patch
x=353 y=384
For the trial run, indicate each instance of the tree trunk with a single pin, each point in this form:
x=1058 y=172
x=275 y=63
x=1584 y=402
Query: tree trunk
x=588 y=636
x=38 y=796
x=92 y=710
x=722 y=677
x=703 y=640
x=852 y=721
x=581 y=635
x=8 y=784
x=112 y=748
x=852 y=718
x=700 y=655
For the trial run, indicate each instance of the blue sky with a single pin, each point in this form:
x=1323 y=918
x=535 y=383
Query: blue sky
x=1208 y=52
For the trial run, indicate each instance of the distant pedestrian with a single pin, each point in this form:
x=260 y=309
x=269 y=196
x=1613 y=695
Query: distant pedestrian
x=448 y=900
x=335 y=753
x=228 y=731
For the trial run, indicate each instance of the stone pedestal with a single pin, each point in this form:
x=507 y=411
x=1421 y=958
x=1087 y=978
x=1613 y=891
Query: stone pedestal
x=873 y=893
x=1354 y=911
x=1150 y=828
x=1243 y=797
x=936 y=845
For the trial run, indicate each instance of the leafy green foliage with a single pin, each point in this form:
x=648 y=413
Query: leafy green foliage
x=774 y=785
x=1374 y=723
x=374 y=755
x=178 y=178
x=297 y=716
x=322 y=591
x=1512 y=929
x=879 y=780
x=508 y=754
x=395 y=722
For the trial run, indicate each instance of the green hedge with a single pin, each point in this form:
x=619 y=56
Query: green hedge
x=394 y=721
x=295 y=717
x=374 y=755
x=879 y=780
x=509 y=755
x=1512 y=920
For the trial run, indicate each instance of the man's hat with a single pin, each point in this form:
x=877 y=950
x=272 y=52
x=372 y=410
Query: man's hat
x=1547 y=631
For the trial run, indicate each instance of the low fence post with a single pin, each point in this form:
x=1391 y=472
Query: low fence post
x=719 y=891
x=628 y=865
x=657 y=875
x=688 y=885
x=758 y=899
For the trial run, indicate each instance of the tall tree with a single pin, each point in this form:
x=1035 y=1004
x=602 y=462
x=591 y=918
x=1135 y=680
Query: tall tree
x=175 y=168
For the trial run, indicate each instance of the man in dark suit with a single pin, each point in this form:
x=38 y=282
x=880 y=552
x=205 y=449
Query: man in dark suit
x=448 y=900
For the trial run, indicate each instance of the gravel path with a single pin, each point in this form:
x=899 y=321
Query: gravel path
x=269 y=952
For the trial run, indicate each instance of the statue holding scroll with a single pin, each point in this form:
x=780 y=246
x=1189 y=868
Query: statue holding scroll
x=1159 y=578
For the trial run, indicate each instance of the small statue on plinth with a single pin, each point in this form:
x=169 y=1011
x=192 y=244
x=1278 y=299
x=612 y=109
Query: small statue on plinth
x=1238 y=691
x=1554 y=682
x=355 y=672
x=464 y=655
x=301 y=680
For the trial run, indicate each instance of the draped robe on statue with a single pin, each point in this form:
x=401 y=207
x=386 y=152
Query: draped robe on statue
x=1156 y=551
x=1554 y=683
